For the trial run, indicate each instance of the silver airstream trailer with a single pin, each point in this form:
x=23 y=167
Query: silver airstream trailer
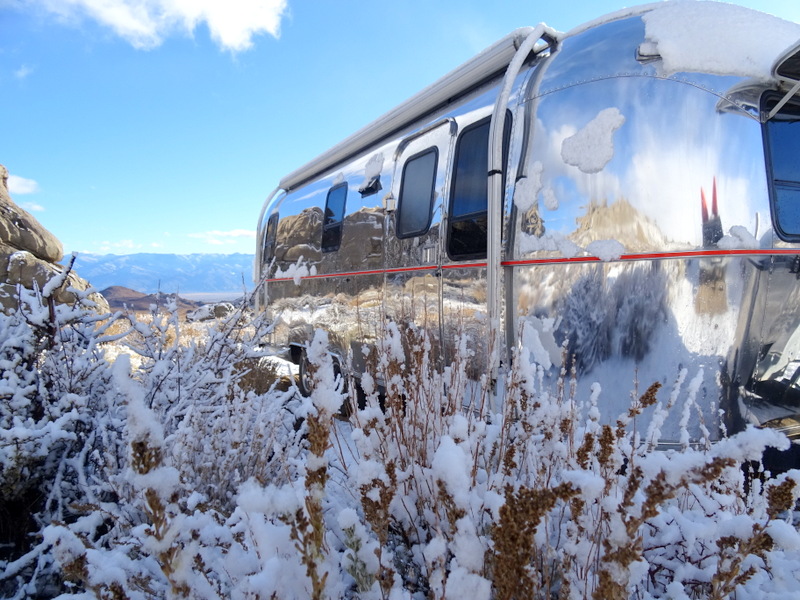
x=628 y=191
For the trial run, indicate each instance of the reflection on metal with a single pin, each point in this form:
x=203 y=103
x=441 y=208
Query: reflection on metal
x=540 y=34
x=712 y=294
x=606 y=263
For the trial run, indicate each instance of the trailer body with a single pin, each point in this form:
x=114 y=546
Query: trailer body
x=603 y=199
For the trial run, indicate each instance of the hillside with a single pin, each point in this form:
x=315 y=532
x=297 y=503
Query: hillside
x=123 y=298
x=169 y=273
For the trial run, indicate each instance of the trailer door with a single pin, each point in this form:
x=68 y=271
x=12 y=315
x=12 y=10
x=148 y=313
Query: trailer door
x=413 y=246
x=464 y=289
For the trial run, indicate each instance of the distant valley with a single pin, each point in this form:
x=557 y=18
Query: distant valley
x=122 y=298
x=168 y=273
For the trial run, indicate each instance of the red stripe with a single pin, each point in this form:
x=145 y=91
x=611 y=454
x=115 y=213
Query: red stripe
x=464 y=265
x=357 y=273
x=555 y=261
x=653 y=256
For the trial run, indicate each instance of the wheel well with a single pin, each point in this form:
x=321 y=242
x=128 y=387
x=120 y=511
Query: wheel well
x=295 y=353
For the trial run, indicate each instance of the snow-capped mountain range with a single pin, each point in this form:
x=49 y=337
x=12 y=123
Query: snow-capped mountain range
x=169 y=273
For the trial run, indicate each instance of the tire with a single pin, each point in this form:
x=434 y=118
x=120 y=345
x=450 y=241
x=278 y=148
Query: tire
x=305 y=382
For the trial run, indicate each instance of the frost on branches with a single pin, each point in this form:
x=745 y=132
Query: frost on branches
x=137 y=461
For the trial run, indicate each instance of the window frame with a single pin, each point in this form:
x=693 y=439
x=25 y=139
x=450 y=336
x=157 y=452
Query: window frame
x=484 y=122
x=768 y=101
x=336 y=225
x=434 y=150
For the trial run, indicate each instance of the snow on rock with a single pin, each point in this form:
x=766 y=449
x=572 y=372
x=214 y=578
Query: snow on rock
x=713 y=37
x=204 y=313
x=591 y=148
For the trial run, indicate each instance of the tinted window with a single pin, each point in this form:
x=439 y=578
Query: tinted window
x=466 y=236
x=416 y=194
x=782 y=136
x=334 y=215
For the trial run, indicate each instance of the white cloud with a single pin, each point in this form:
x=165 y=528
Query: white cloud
x=20 y=185
x=145 y=23
x=23 y=72
x=123 y=245
x=221 y=238
x=31 y=206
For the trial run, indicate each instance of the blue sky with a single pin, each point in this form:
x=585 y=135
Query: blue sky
x=132 y=127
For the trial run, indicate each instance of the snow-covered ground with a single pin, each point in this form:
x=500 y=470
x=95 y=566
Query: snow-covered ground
x=170 y=479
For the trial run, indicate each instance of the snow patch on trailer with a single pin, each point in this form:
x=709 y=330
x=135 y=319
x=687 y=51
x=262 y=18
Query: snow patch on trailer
x=554 y=241
x=606 y=250
x=539 y=339
x=746 y=45
x=550 y=199
x=592 y=148
x=739 y=237
x=527 y=189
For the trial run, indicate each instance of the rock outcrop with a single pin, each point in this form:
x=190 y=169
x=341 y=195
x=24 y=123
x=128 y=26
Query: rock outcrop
x=29 y=255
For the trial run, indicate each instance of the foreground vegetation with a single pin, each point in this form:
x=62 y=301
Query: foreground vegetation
x=173 y=475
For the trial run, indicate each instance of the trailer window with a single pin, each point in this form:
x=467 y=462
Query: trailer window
x=334 y=215
x=417 y=194
x=782 y=141
x=466 y=232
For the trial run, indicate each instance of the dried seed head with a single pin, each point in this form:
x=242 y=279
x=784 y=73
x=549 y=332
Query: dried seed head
x=649 y=397
x=780 y=498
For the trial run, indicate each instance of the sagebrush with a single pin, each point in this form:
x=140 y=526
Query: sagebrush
x=140 y=464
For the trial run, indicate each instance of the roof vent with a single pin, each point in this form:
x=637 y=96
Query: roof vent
x=788 y=65
x=787 y=70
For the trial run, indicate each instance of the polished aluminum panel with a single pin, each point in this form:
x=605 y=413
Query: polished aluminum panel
x=638 y=192
x=638 y=243
x=339 y=291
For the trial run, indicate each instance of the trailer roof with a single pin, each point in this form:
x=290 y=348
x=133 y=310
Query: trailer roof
x=463 y=78
x=679 y=33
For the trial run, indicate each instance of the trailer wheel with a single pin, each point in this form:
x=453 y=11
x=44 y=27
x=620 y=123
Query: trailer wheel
x=304 y=380
x=305 y=384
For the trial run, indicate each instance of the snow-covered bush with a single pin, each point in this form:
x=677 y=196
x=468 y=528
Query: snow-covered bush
x=165 y=475
x=53 y=456
x=544 y=500
x=105 y=465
